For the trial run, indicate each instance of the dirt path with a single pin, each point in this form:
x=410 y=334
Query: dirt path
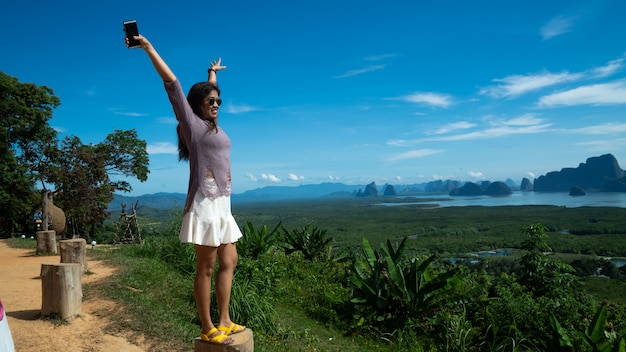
x=20 y=292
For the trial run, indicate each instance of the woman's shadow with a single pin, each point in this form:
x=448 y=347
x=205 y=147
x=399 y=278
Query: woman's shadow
x=25 y=314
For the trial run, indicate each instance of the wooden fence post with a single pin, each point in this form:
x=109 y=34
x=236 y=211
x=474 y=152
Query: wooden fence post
x=46 y=242
x=74 y=251
x=243 y=342
x=61 y=290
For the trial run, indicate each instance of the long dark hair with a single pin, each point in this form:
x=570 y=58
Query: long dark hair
x=195 y=98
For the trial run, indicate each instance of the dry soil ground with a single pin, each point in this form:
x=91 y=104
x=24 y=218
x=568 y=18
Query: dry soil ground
x=20 y=293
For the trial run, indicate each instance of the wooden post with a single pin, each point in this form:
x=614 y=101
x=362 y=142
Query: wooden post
x=74 y=251
x=61 y=290
x=243 y=342
x=46 y=242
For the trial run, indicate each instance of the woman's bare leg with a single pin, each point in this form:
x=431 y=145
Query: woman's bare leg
x=227 y=256
x=205 y=265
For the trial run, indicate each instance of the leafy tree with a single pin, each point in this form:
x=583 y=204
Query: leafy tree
x=25 y=109
x=85 y=176
x=540 y=273
x=82 y=175
x=17 y=195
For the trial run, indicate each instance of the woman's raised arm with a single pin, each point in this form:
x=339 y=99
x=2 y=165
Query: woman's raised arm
x=161 y=67
x=216 y=65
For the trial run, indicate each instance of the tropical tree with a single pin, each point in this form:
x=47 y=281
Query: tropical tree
x=17 y=195
x=84 y=175
x=540 y=273
x=25 y=109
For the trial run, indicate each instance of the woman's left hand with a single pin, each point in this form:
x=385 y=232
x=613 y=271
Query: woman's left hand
x=216 y=65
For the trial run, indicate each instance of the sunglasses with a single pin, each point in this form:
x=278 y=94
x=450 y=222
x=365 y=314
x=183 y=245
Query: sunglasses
x=212 y=101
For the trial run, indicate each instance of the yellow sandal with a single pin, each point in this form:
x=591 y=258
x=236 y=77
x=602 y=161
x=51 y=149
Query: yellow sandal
x=232 y=329
x=217 y=339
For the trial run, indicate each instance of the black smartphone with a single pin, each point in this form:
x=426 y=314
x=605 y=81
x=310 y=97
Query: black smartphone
x=130 y=28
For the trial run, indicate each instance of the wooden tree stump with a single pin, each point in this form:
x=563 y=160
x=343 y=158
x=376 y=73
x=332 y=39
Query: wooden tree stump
x=74 y=251
x=61 y=290
x=243 y=342
x=46 y=242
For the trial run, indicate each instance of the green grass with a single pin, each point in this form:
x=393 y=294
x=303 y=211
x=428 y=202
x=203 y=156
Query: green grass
x=157 y=302
x=26 y=243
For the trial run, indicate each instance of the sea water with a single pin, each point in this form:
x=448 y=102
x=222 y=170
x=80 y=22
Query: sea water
x=562 y=199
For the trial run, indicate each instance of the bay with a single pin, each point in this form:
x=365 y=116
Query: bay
x=562 y=199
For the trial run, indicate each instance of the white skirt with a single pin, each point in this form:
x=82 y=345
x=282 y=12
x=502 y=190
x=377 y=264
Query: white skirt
x=209 y=222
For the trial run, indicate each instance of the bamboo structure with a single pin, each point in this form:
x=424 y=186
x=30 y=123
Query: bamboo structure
x=127 y=227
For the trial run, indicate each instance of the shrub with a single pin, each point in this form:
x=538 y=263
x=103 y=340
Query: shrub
x=310 y=240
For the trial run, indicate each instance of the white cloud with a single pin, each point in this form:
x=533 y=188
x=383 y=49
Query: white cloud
x=531 y=174
x=412 y=154
x=380 y=57
x=524 y=120
x=333 y=178
x=475 y=174
x=603 y=145
x=610 y=68
x=162 y=148
x=270 y=177
x=251 y=177
x=496 y=132
x=294 y=177
x=607 y=128
x=131 y=114
x=556 y=26
x=454 y=126
x=525 y=124
x=516 y=85
x=239 y=109
x=596 y=94
x=441 y=177
x=167 y=120
x=429 y=98
x=367 y=69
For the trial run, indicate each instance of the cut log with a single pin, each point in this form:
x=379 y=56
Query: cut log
x=46 y=242
x=61 y=290
x=243 y=342
x=74 y=251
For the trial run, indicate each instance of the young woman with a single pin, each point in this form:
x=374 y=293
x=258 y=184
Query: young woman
x=208 y=222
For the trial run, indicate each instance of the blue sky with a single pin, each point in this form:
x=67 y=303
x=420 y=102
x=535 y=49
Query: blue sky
x=397 y=92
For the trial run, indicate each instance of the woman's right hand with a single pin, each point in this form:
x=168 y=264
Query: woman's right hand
x=143 y=42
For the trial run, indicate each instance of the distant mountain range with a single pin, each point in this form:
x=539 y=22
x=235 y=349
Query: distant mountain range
x=596 y=174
